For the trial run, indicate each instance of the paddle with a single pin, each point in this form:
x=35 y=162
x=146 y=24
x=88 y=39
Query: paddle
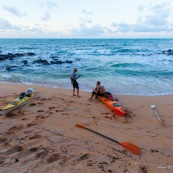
x=127 y=145
x=154 y=108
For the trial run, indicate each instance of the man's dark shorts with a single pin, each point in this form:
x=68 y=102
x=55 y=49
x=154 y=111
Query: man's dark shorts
x=75 y=84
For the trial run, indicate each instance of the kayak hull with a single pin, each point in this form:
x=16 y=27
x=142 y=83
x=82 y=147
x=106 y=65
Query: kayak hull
x=16 y=103
x=113 y=105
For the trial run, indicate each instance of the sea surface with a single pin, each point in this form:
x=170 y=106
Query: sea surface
x=124 y=66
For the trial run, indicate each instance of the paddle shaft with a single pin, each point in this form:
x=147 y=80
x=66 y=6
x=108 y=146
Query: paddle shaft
x=156 y=114
x=103 y=136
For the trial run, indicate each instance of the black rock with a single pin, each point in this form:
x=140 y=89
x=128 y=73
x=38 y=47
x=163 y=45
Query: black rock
x=3 y=57
x=29 y=54
x=19 y=54
x=67 y=61
x=25 y=62
x=168 y=52
x=56 y=62
x=54 y=57
x=8 y=68
x=41 y=61
x=11 y=56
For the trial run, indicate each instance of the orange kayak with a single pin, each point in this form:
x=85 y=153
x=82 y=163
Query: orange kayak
x=113 y=105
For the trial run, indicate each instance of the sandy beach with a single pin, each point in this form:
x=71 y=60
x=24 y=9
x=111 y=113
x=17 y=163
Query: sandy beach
x=41 y=137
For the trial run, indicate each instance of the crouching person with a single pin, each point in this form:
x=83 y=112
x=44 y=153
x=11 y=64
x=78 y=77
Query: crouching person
x=98 y=91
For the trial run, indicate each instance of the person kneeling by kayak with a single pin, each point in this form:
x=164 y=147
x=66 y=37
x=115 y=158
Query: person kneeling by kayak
x=98 y=91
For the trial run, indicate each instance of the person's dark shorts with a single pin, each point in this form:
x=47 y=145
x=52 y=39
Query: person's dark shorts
x=98 y=94
x=75 y=84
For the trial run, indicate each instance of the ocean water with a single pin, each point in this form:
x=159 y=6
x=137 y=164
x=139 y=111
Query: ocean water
x=124 y=66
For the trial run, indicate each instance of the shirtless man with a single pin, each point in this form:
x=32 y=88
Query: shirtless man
x=99 y=91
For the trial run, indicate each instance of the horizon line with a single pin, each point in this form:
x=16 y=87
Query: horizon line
x=89 y=38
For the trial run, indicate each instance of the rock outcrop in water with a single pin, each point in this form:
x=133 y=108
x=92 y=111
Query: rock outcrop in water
x=167 y=52
x=13 y=67
x=11 y=56
x=45 y=62
x=41 y=61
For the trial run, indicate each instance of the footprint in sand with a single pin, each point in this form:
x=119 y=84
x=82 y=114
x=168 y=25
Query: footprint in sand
x=2 y=160
x=39 y=103
x=14 y=129
x=143 y=169
x=90 y=163
x=24 y=119
x=3 y=140
x=106 y=117
x=11 y=115
x=83 y=157
x=41 y=154
x=39 y=119
x=31 y=124
x=63 y=161
x=54 y=157
x=40 y=111
x=14 y=149
x=115 y=116
x=71 y=102
x=43 y=99
x=80 y=158
x=64 y=114
x=52 y=107
x=32 y=104
x=59 y=111
x=14 y=114
x=128 y=113
x=35 y=137
x=107 y=113
x=33 y=149
x=103 y=166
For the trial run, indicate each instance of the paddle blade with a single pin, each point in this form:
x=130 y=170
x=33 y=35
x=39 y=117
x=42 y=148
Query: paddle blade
x=130 y=147
x=81 y=126
x=153 y=106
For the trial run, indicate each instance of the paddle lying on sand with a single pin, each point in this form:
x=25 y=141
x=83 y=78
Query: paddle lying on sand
x=154 y=108
x=127 y=145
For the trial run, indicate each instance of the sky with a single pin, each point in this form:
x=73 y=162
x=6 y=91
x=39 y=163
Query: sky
x=86 y=19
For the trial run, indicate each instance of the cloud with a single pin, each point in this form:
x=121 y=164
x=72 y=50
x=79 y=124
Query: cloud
x=46 y=17
x=159 y=16
x=49 y=4
x=36 y=30
x=87 y=12
x=84 y=31
x=14 y=11
x=86 y=21
x=122 y=27
x=155 y=21
x=5 y=25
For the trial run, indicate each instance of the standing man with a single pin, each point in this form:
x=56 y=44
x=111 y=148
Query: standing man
x=74 y=82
